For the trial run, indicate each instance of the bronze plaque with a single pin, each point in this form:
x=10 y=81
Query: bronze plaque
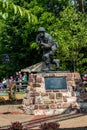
x=55 y=83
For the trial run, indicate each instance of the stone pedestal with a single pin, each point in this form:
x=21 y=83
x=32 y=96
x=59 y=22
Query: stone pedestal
x=39 y=101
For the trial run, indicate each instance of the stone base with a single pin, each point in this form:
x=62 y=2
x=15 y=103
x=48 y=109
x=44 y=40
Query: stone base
x=39 y=101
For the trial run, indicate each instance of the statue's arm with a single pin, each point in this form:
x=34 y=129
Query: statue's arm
x=38 y=40
x=49 y=43
x=45 y=45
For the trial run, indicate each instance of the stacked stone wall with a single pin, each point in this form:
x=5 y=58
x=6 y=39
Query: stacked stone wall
x=40 y=101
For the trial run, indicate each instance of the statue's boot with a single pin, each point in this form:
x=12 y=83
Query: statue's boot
x=47 y=67
x=56 y=62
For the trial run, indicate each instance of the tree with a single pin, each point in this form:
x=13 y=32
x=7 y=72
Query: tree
x=70 y=31
x=13 y=36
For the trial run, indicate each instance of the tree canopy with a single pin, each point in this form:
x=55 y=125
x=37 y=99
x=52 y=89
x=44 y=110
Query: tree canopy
x=65 y=20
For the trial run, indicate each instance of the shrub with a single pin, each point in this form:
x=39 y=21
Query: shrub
x=2 y=100
x=12 y=91
x=16 y=126
x=50 y=126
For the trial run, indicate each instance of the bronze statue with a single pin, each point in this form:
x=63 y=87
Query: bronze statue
x=46 y=42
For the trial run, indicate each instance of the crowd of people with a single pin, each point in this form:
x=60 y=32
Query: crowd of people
x=19 y=79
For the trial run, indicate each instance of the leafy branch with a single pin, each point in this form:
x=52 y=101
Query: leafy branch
x=6 y=6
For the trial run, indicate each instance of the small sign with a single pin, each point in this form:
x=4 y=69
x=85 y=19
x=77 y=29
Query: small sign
x=55 y=83
x=5 y=58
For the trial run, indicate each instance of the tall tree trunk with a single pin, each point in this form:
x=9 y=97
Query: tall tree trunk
x=81 y=5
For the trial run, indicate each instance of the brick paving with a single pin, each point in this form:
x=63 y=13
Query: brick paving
x=12 y=113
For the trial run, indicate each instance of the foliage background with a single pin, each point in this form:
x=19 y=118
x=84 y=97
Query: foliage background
x=65 y=20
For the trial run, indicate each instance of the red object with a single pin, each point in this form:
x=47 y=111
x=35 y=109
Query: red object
x=84 y=77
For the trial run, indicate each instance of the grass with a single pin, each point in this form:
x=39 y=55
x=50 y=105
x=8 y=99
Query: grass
x=18 y=96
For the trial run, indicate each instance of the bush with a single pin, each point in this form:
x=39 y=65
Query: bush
x=50 y=126
x=16 y=126
x=2 y=100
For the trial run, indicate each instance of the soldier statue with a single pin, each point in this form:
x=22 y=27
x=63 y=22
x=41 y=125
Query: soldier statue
x=46 y=42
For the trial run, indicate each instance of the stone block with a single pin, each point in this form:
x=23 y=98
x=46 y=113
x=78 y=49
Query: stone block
x=31 y=76
x=49 y=91
x=59 y=95
x=48 y=101
x=59 y=101
x=71 y=83
x=56 y=90
x=38 y=112
x=69 y=76
x=33 y=89
x=64 y=99
x=70 y=88
x=36 y=106
x=52 y=101
x=44 y=94
x=40 y=89
x=53 y=106
x=31 y=80
x=36 y=85
x=73 y=93
x=35 y=94
x=66 y=105
x=49 y=112
x=64 y=90
x=51 y=95
x=77 y=76
x=71 y=99
x=39 y=80
x=43 y=106
x=39 y=100
x=45 y=98
x=59 y=105
x=66 y=94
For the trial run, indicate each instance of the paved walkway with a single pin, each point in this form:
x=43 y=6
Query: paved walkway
x=74 y=122
x=12 y=113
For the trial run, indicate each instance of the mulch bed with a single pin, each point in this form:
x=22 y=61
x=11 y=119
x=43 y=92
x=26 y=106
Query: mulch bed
x=10 y=102
x=13 y=113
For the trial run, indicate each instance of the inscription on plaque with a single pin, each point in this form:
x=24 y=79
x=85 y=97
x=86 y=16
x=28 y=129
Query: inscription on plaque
x=55 y=83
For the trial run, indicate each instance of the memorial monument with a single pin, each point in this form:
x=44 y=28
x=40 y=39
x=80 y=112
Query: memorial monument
x=52 y=92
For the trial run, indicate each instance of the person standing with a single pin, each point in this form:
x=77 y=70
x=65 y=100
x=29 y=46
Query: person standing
x=24 y=79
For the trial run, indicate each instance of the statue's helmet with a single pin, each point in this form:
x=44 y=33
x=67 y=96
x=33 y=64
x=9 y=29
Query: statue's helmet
x=41 y=29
